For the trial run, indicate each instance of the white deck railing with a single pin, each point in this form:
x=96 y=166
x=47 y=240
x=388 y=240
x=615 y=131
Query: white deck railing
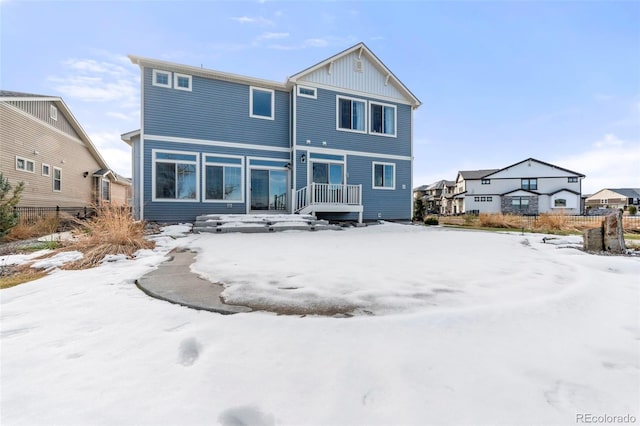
x=326 y=193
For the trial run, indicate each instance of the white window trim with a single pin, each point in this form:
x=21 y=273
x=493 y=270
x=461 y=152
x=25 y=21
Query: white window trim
x=155 y=83
x=304 y=95
x=273 y=103
x=373 y=175
x=205 y=163
x=102 y=181
x=310 y=162
x=53 y=112
x=53 y=180
x=366 y=114
x=153 y=174
x=175 y=82
x=395 y=119
x=42 y=169
x=25 y=169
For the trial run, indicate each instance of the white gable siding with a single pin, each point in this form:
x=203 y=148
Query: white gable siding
x=531 y=169
x=573 y=200
x=344 y=76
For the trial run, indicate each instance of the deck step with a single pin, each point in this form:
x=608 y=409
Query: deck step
x=222 y=224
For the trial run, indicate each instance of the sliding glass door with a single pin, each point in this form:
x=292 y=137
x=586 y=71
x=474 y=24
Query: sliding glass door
x=269 y=189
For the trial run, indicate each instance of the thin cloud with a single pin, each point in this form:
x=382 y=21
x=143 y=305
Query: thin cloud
x=273 y=36
x=252 y=20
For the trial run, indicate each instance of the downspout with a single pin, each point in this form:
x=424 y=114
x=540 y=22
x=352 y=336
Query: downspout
x=141 y=172
x=411 y=176
x=293 y=139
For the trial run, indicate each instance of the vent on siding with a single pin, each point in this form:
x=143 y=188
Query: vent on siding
x=357 y=66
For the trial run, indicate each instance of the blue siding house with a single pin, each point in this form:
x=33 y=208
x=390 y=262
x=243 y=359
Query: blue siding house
x=334 y=140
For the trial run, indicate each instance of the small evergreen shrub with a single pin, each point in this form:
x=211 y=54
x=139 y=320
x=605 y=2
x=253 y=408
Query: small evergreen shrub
x=633 y=210
x=431 y=220
x=8 y=219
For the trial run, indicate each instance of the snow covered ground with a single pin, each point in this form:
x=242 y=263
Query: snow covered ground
x=451 y=327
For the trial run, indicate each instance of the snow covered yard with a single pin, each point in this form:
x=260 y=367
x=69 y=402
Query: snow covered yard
x=450 y=327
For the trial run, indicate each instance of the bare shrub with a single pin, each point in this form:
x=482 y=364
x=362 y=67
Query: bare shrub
x=39 y=227
x=553 y=222
x=499 y=220
x=112 y=231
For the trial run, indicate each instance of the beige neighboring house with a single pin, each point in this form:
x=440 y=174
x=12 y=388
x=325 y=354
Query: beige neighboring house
x=44 y=146
x=614 y=198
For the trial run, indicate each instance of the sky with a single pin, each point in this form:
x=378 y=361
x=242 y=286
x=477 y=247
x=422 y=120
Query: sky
x=499 y=82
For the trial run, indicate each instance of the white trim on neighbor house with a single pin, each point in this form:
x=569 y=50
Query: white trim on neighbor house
x=364 y=118
x=48 y=171
x=102 y=197
x=47 y=125
x=176 y=81
x=206 y=163
x=373 y=175
x=53 y=112
x=313 y=95
x=22 y=164
x=395 y=119
x=154 y=81
x=253 y=89
x=195 y=162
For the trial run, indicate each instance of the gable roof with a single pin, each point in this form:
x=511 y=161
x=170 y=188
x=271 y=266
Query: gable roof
x=9 y=96
x=475 y=174
x=362 y=50
x=627 y=192
x=540 y=162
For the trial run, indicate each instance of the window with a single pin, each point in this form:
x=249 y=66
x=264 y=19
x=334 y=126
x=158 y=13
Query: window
x=604 y=201
x=106 y=193
x=25 y=164
x=560 y=202
x=261 y=103
x=383 y=119
x=351 y=114
x=486 y=181
x=182 y=82
x=223 y=179
x=307 y=92
x=175 y=176
x=161 y=78
x=482 y=199
x=384 y=176
x=46 y=170
x=520 y=203
x=57 y=179
x=572 y=179
x=530 y=184
x=53 y=112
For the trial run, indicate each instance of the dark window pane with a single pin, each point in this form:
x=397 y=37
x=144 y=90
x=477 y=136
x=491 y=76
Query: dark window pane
x=214 y=183
x=262 y=103
x=345 y=114
x=165 y=180
x=376 y=118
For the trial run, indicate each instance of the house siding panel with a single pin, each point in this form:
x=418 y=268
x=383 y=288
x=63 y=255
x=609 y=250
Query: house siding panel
x=21 y=135
x=214 y=110
x=344 y=75
x=180 y=211
x=41 y=111
x=316 y=121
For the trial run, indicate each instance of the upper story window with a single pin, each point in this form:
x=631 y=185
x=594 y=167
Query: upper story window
x=604 y=201
x=46 y=170
x=307 y=92
x=175 y=176
x=261 y=103
x=53 y=112
x=351 y=114
x=25 y=164
x=486 y=181
x=182 y=82
x=384 y=176
x=572 y=179
x=383 y=119
x=57 y=179
x=530 y=184
x=161 y=78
